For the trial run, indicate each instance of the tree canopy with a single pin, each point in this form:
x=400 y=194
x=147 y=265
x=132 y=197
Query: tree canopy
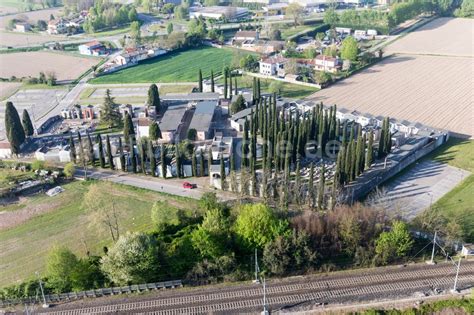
x=13 y=127
x=154 y=98
x=349 y=48
x=132 y=259
x=238 y=104
x=109 y=113
x=393 y=244
x=154 y=132
x=27 y=124
x=257 y=225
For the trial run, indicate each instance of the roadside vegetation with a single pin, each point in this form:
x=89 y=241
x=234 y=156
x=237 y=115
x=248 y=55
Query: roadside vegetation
x=86 y=240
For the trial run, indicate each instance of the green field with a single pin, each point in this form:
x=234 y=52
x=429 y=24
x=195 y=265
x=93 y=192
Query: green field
x=291 y=30
x=25 y=245
x=174 y=67
x=458 y=205
x=288 y=89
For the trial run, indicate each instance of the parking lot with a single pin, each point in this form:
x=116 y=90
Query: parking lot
x=37 y=102
x=420 y=186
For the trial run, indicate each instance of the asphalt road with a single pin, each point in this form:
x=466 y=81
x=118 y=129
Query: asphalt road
x=169 y=186
x=296 y=294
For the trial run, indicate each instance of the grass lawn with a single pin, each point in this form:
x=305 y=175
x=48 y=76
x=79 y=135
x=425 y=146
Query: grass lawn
x=25 y=246
x=458 y=204
x=290 y=30
x=111 y=32
x=288 y=89
x=174 y=67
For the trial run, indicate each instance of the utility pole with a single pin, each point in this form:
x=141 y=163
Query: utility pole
x=431 y=262
x=45 y=305
x=257 y=270
x=265 y=310
x=455 y=289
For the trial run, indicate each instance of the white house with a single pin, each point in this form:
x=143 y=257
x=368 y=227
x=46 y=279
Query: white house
x=5 y=150
x=94 y=48
x=467 y=250
x=271 y=65
x=22 y=27
x=328 y=64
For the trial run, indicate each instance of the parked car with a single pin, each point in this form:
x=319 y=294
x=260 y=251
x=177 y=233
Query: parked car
x=188 y=185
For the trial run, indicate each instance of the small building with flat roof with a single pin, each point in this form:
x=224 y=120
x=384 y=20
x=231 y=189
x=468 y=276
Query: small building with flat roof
x=172 y=121
x=202 y=119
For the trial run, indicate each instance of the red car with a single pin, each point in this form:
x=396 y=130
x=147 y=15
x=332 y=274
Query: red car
x=188 y=185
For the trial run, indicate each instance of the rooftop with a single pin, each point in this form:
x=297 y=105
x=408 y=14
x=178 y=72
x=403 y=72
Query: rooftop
x=172 y=118
x=203 y=116
x=190 y=96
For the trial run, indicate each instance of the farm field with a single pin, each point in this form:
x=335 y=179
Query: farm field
x=12 y=39
x=443 y=36
x=62 y=220
x=174 y=67
x=31 y=17
x=7 y=89
x=423 y=81
x=26 y=64
x=428 y=89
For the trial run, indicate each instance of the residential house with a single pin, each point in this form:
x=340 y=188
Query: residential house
x=57 y=26
x=328 y=64
x=275 y=9
x=202 y=119
x=219 y=12
x=271 y=65
x=94 y=48
x=467 y=250
x=5 y=150
x=22 y=27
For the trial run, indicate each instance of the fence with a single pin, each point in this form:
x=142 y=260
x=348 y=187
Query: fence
x=55 y=298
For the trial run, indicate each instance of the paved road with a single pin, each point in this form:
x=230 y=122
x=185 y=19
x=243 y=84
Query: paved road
x=295 y=294
x=169 y=186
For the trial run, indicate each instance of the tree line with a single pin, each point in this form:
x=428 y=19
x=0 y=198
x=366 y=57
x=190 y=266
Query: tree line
x=214 y=242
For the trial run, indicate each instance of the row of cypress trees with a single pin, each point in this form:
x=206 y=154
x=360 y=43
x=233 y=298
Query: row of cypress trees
x=17 y=130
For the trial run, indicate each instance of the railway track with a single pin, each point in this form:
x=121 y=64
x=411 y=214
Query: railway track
x=364 y=285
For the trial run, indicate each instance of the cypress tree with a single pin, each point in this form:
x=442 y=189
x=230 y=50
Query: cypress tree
x=151 y=155
x=224 y=72
x=14 y=129
x=353 y=160
x=258 y=89
x=101 y=151
x=344 y=133
x=359 y=155
x=154 y=132
x=347 y=163
x=177 y=156
x=194 y=165
x=82 y=155
x=311 y=185
x=321 y=186
x=232 y=162
x=122 y=155
x=236 y=91
x=222 y=170
x=244 y=159
x=297 y=182
x=200 y=81
x=201 y=164
x=163 y=161
x=231 y=90
x=109 y=153
x=27 y=124
x=128 y=130
x=370 y=150
x=133 y=156
x=212 y=81
x=91 y=149
x=72 y=148
x=154 y=98
x=143 y=147
x=362 y=154
x=209 y=161
x=254 y=90
x=388 y=138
